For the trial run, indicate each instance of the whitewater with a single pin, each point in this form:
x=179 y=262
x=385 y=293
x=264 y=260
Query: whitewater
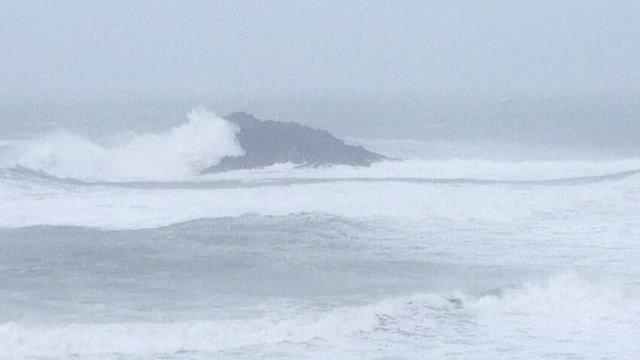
x=119 y=248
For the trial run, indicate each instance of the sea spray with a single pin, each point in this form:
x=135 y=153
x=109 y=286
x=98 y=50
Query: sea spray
x=202 y=141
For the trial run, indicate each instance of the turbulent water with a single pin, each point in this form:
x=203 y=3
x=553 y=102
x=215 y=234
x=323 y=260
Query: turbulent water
x=428 y=259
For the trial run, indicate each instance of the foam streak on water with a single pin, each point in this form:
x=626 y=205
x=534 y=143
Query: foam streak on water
x=417 y=259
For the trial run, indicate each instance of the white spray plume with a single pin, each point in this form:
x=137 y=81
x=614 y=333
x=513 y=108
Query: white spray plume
x=183 y=151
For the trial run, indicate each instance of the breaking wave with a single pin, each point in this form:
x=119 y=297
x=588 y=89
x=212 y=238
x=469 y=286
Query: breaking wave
x=566 y=309
x=202 y=141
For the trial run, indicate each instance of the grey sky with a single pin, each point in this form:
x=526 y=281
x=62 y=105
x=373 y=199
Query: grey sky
x=85 y=49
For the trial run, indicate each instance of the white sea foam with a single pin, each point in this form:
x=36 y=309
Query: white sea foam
x=185 y=150
x=479 y=169
x=37 y=202
x=180 y=153
x=508 y=228
x=564 y=314
x=33 y=201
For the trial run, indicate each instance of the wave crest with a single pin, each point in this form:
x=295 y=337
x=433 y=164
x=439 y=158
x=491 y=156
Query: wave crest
x=183 y=151
x=548 y=315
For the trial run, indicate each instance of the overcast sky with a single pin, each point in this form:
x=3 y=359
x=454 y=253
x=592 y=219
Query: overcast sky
x=86 y=49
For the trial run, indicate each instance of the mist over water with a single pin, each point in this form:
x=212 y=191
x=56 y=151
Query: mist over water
x=501 y=223
x=591 y=124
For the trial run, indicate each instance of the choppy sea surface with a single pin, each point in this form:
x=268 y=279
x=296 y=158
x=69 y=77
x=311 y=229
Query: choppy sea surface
x=412 y=259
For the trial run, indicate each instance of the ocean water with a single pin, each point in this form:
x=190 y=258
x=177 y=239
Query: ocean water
x=105 y=257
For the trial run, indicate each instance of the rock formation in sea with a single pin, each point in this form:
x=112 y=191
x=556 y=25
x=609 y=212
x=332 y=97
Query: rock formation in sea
x=273 y=142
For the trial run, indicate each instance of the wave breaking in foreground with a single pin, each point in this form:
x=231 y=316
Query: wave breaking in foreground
x=321 y=286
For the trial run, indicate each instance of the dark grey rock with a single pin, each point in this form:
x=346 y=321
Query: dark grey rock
x=273 y=142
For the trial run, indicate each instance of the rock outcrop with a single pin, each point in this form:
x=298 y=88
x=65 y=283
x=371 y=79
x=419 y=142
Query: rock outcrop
x=273 y=142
